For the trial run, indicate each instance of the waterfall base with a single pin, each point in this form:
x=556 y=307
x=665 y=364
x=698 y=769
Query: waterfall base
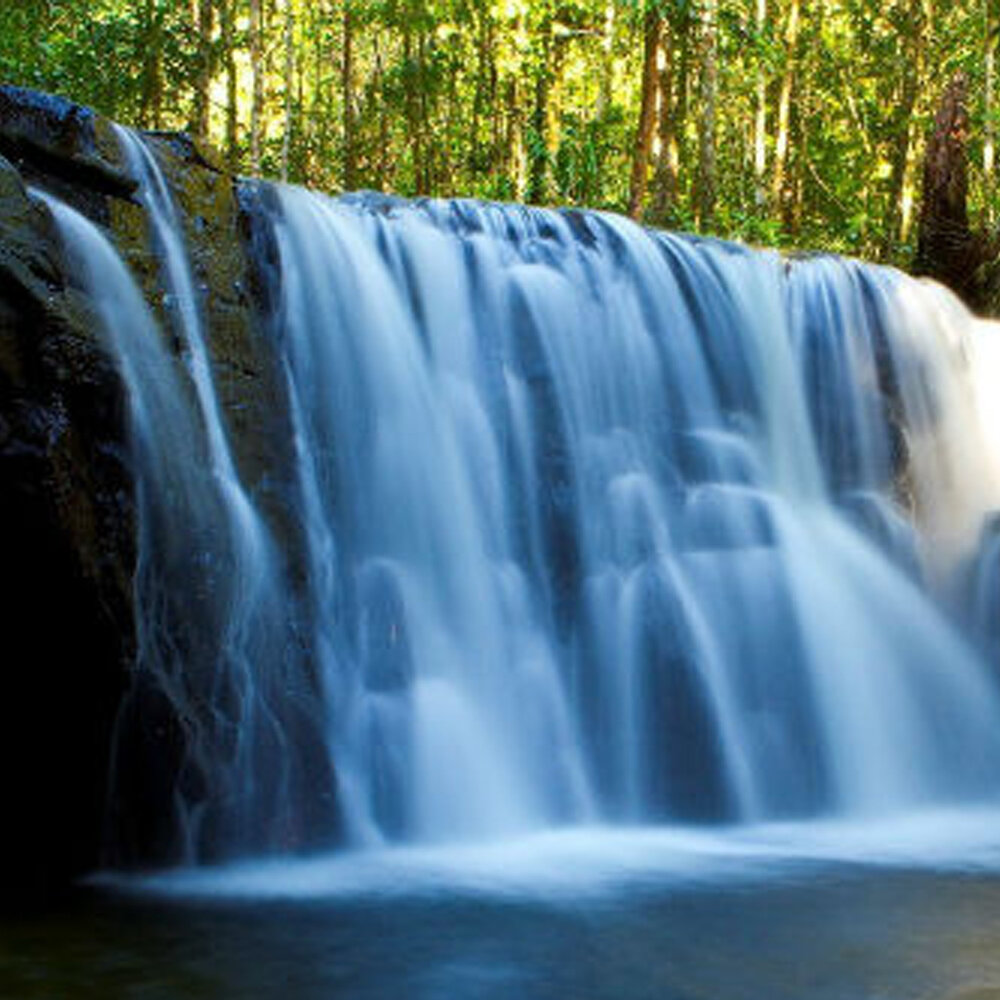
x=627 y=915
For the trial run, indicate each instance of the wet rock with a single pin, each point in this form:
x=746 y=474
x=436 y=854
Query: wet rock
x=61 y=138
x=68 y=552
x=66 y=500
x=63 y=147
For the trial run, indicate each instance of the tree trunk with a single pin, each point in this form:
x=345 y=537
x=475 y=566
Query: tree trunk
x=707 y=93
x=946 y=247
x=605 y=95
x=760 y=111
x=203 y=12
x=382 y=162
x=663 y=208
x=781 y=189
x=347 y=97
x=151 y=94
x=647 y=113
x=912 y=63
x=286 y=139
x=426 y=173
x=480 y=104
x=257 y=89
x=415 y=135
x=911 y=167
x=232 y=107
x=989 y=108
x=538 y=150
x=516 y=165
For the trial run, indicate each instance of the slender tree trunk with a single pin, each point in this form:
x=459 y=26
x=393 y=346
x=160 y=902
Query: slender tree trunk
x=683 y=101
x=286 y=139
x=538 y=170
x=538 y=153
x=257 y=84
x=550 y=60
x=413 y=113
x=707 y=93
x=151 y=94
x=347 y=97
x=493 y=101
x=605 y=95
x=795 y=206
x=203 y=13
x=912 y=64
x=909 y=194
x=781 y=193
x=453 y=134
x=664 y=202
x=382 y=163
x=989 y=108
x=479 y=96
x=643 y=144
x=760 y=111
x=912 y=170
x=553 y=109
x=226 y=18
x=312 y=129
x=673 y=146
x=425 y=176
x=516 y=163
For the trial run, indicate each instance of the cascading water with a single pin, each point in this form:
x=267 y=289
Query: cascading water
x=601 y=497
x=599 y=524
x=218 y=659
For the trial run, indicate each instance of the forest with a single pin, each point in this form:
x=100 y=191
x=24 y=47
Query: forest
x=791 y=123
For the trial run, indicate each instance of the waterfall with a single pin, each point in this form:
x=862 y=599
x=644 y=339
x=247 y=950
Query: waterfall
x=220 y=675
x=592 y=524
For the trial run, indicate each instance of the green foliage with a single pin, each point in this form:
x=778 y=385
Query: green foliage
x=506 y=98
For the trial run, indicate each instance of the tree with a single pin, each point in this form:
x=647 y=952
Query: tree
x=647 y=111
x=914 y=21
x=760 y=111
x=203 y=24
x=707 y=97
x=673 y=83
x=781 y=190
x=947 y=249
x=991 y=24
x=795 y=122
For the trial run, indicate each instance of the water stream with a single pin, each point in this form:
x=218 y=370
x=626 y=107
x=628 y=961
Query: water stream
x=596 y=525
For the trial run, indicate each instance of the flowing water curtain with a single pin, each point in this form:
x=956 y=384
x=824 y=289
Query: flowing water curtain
x=215 y=746
x=597 y=524
x=598 y=472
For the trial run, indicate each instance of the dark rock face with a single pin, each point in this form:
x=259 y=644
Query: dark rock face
x=66 y=148
x=67 y=506
x=67 y=542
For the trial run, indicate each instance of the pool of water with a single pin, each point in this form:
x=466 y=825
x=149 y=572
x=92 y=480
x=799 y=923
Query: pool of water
x=909 y=909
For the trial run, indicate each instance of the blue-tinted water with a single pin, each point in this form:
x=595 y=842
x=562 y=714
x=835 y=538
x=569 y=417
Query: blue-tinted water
x=778 y=913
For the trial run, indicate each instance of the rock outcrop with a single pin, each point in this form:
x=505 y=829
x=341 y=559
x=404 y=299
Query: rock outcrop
x=67 y=546
x=67 y=509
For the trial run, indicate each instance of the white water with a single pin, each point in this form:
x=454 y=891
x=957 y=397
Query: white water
x=585 y=618
x=593 y=863
x=600 y=526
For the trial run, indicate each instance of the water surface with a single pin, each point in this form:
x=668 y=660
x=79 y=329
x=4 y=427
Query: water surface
x=908 y=909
